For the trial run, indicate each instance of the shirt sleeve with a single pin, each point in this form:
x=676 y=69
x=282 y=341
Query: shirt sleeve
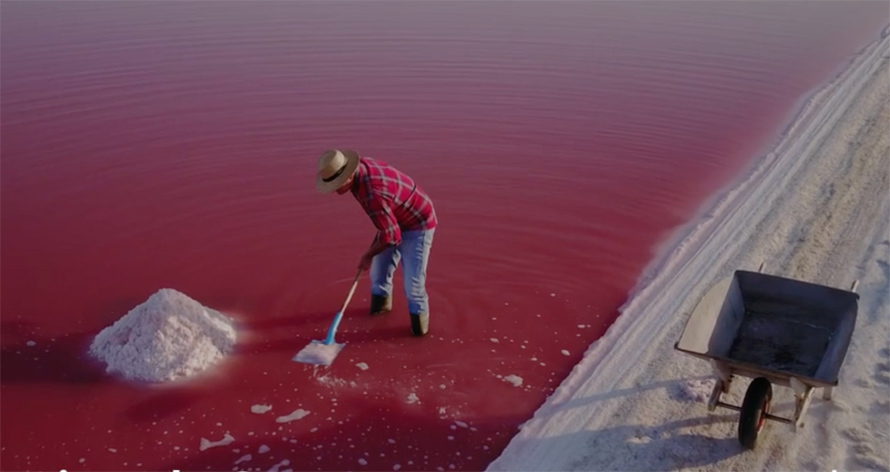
x=383 y=218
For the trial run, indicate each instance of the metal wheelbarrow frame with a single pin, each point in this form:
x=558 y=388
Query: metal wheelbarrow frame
x=777 y=331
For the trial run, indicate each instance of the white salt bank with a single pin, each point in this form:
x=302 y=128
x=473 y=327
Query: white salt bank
x=168 y=337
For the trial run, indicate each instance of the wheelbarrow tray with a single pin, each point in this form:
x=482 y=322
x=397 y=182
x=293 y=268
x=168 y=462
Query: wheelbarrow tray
x=775 y=326
x=775 y=330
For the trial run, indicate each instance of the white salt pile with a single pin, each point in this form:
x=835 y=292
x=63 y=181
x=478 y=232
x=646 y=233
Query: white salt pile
x=168 y=337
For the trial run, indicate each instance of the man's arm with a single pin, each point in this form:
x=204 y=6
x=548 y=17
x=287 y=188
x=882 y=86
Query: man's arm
x=388 y=231
x=378 y=247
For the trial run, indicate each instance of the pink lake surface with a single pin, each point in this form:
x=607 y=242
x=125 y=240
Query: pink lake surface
x=173 y=144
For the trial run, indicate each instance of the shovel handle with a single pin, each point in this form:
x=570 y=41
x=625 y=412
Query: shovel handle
x=332 y=330
x=351 y=290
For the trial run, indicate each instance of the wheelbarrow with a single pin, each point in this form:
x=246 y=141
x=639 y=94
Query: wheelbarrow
x=776 y=331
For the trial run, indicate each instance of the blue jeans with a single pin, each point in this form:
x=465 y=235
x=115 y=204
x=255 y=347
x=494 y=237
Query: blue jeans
x=414 y=253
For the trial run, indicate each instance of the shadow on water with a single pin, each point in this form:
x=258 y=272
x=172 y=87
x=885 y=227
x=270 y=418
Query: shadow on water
x=165 y=403
x=292 y=333
x=61 y=359
x=285 y=322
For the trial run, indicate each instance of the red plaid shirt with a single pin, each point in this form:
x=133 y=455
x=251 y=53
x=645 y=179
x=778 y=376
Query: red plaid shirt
x=392 y=200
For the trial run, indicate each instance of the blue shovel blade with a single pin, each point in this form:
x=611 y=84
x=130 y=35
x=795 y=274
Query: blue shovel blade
x=322 y=352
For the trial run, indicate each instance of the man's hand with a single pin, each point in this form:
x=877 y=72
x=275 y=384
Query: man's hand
x=376 y=248
x=365 y=262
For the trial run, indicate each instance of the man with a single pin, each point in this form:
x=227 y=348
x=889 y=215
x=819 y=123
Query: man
x=405 y=221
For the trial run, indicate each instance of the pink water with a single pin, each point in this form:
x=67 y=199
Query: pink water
x=173 y=144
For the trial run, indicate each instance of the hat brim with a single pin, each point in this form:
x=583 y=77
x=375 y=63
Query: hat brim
x=352 y=160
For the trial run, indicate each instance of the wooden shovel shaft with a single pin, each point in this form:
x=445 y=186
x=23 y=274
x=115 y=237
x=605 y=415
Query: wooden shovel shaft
x=351 y=291
x=332 y=330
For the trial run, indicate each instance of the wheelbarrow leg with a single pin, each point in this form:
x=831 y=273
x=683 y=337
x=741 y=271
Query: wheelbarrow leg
x=719 y=388
x=826 y=393
x=724 y=381
x=802 y=395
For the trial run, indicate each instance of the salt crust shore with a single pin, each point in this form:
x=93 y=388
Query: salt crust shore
x=815 y=208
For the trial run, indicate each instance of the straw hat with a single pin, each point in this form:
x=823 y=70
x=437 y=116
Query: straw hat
x=334 y=169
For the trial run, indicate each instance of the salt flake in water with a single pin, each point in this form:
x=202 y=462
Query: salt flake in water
x=514 y=379
x=296 y=415
x=207 y=444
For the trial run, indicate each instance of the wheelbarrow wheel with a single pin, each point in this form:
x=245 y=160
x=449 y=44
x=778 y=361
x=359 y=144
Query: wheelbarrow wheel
x=755 y=407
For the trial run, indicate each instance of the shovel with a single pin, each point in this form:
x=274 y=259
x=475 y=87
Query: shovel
x=324 y=352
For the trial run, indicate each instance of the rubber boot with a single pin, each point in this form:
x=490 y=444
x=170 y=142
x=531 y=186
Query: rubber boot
x=380 y=304
x=420 y=324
